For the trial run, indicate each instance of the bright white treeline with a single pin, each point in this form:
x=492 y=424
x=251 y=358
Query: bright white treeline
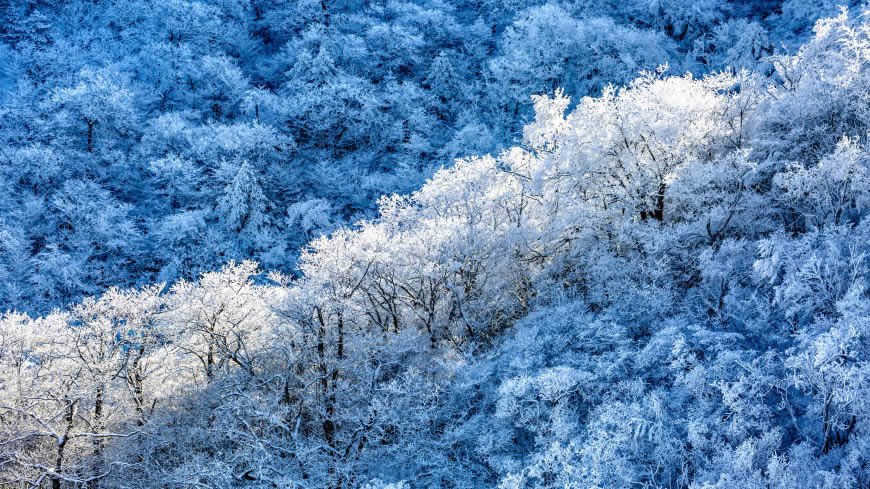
x=664 y=285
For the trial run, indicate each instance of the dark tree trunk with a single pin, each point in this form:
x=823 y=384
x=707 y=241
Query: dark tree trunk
x=61 y=446
x=91 y=125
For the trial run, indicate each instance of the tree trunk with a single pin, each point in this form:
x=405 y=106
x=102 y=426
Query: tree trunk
x=61 y=445
x=209 y=362
x=659 y=211
x=827 y=442
x=136 y=381
x=98 y=442
x=91 y=125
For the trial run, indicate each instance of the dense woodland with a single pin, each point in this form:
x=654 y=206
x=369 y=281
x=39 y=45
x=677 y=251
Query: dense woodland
x=148 y=141
x=448 y=244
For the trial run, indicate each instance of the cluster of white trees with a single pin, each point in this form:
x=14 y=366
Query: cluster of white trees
x=79 y=385
x=664 y=285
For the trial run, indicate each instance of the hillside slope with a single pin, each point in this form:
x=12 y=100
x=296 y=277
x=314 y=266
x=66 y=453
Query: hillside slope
x=664 y=285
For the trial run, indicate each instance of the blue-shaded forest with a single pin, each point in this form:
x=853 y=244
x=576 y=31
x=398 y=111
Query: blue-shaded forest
x=459 y=244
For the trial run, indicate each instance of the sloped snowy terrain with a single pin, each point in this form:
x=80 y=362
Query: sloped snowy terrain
x=500 y=244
